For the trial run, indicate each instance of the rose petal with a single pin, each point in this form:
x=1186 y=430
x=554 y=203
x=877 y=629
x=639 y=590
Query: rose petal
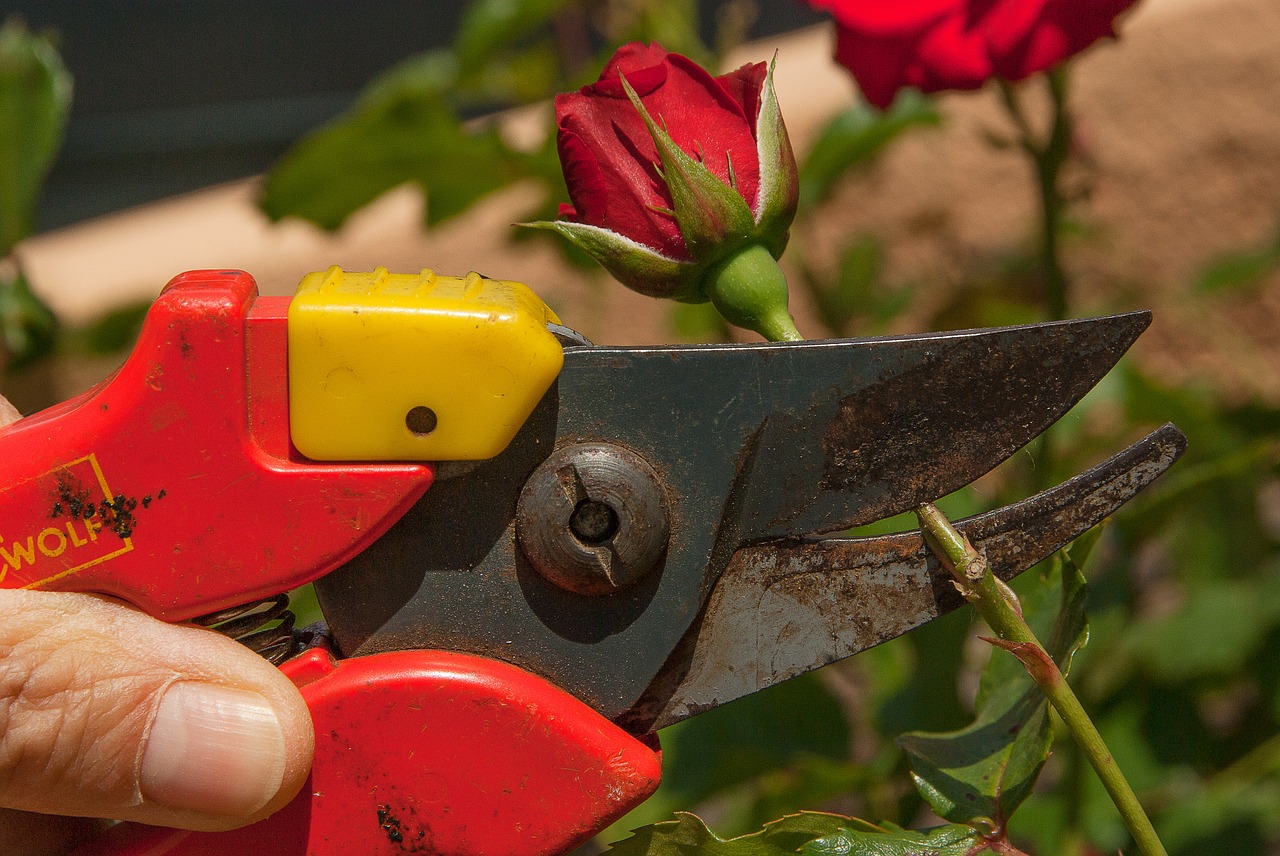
x=888 y=18
x=959 y=44
x=744 y=86
x=1006 y=24
x=952 y=56
x=632 y=58
x=1063 y=30
x=609 y=165
x=709 y=123
x=878 y=65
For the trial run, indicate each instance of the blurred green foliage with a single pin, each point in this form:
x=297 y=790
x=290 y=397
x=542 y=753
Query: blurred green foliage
x=854 y=137
x=1242 y=269
x=411 y=126
x=35 y=96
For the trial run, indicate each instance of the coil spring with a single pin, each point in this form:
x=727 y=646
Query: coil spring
x=248 y=625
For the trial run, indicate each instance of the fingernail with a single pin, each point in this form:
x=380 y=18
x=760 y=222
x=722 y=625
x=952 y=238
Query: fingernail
x=214 y=750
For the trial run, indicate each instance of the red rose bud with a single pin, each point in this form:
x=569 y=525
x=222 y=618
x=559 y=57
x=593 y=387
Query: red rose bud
x=934 y=45
x=672 y=172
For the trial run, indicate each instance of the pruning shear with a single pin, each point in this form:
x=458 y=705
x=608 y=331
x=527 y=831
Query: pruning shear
x=606 y=540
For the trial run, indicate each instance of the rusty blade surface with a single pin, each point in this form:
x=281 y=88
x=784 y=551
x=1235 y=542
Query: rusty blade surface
x=939 y=415
x=783 y=609
x=747 y=442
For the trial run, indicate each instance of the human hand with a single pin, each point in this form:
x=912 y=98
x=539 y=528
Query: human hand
x=106 y=712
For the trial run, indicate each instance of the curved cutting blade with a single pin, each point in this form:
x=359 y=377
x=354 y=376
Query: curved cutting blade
x=783 y=609
x=938 y=416
x=749 y=443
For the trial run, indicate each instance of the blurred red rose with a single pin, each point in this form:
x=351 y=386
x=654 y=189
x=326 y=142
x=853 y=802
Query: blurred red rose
x=934 y=45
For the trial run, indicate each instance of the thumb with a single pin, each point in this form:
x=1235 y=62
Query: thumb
x=107 y=712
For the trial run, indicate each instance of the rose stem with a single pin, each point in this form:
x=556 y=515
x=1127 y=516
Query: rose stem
x=998 y=606
x=1048 y=157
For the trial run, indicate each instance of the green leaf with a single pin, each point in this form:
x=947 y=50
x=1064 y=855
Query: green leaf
x=114 y=331
x=984 y=771
x=1213 y=632
x=807 y=833
x=28 y=328
x=1241 y=270
x=403 y=131
x=855 y=137
x=492 y=26
x=519 y=77
x=672 y=23
x=687 y=834
x=952 y=840
x=35 y=96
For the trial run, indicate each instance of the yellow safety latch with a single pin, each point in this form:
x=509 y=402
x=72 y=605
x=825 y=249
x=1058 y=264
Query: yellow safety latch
x=396 y=367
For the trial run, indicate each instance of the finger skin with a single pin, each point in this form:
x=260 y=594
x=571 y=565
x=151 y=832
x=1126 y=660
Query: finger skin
x=81 y=683
x=8 y=413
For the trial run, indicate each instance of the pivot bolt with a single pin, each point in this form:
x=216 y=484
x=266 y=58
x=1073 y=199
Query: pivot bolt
x=593 y=518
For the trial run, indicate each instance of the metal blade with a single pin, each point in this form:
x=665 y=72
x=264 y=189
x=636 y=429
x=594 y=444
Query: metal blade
x=783 y=609
x=944 y=410
x=747 y=443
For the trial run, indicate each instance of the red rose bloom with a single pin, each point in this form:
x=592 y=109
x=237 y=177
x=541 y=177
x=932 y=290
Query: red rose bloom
x=609 y=157
x=673 y=172
x=934 y=45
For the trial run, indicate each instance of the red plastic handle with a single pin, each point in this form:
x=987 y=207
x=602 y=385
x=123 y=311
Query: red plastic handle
x=173 y=484
x=433 y=752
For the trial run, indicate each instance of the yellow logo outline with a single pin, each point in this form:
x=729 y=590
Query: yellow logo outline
x=92 y=458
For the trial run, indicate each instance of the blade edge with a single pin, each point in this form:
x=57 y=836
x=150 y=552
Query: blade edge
x=972 y=401
x=896 y=574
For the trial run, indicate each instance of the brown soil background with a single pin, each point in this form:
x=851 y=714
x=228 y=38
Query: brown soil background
x=1179 y=137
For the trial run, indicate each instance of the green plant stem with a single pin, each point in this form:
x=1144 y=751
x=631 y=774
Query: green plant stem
x=1048 y=154
x=1048 y=157
x=999 y=607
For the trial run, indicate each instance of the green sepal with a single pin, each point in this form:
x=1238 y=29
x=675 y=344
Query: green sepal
x=779 y=192
x=633 y=264
x=713 y=217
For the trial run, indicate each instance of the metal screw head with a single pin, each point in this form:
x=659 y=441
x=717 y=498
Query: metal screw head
x=593 y=518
